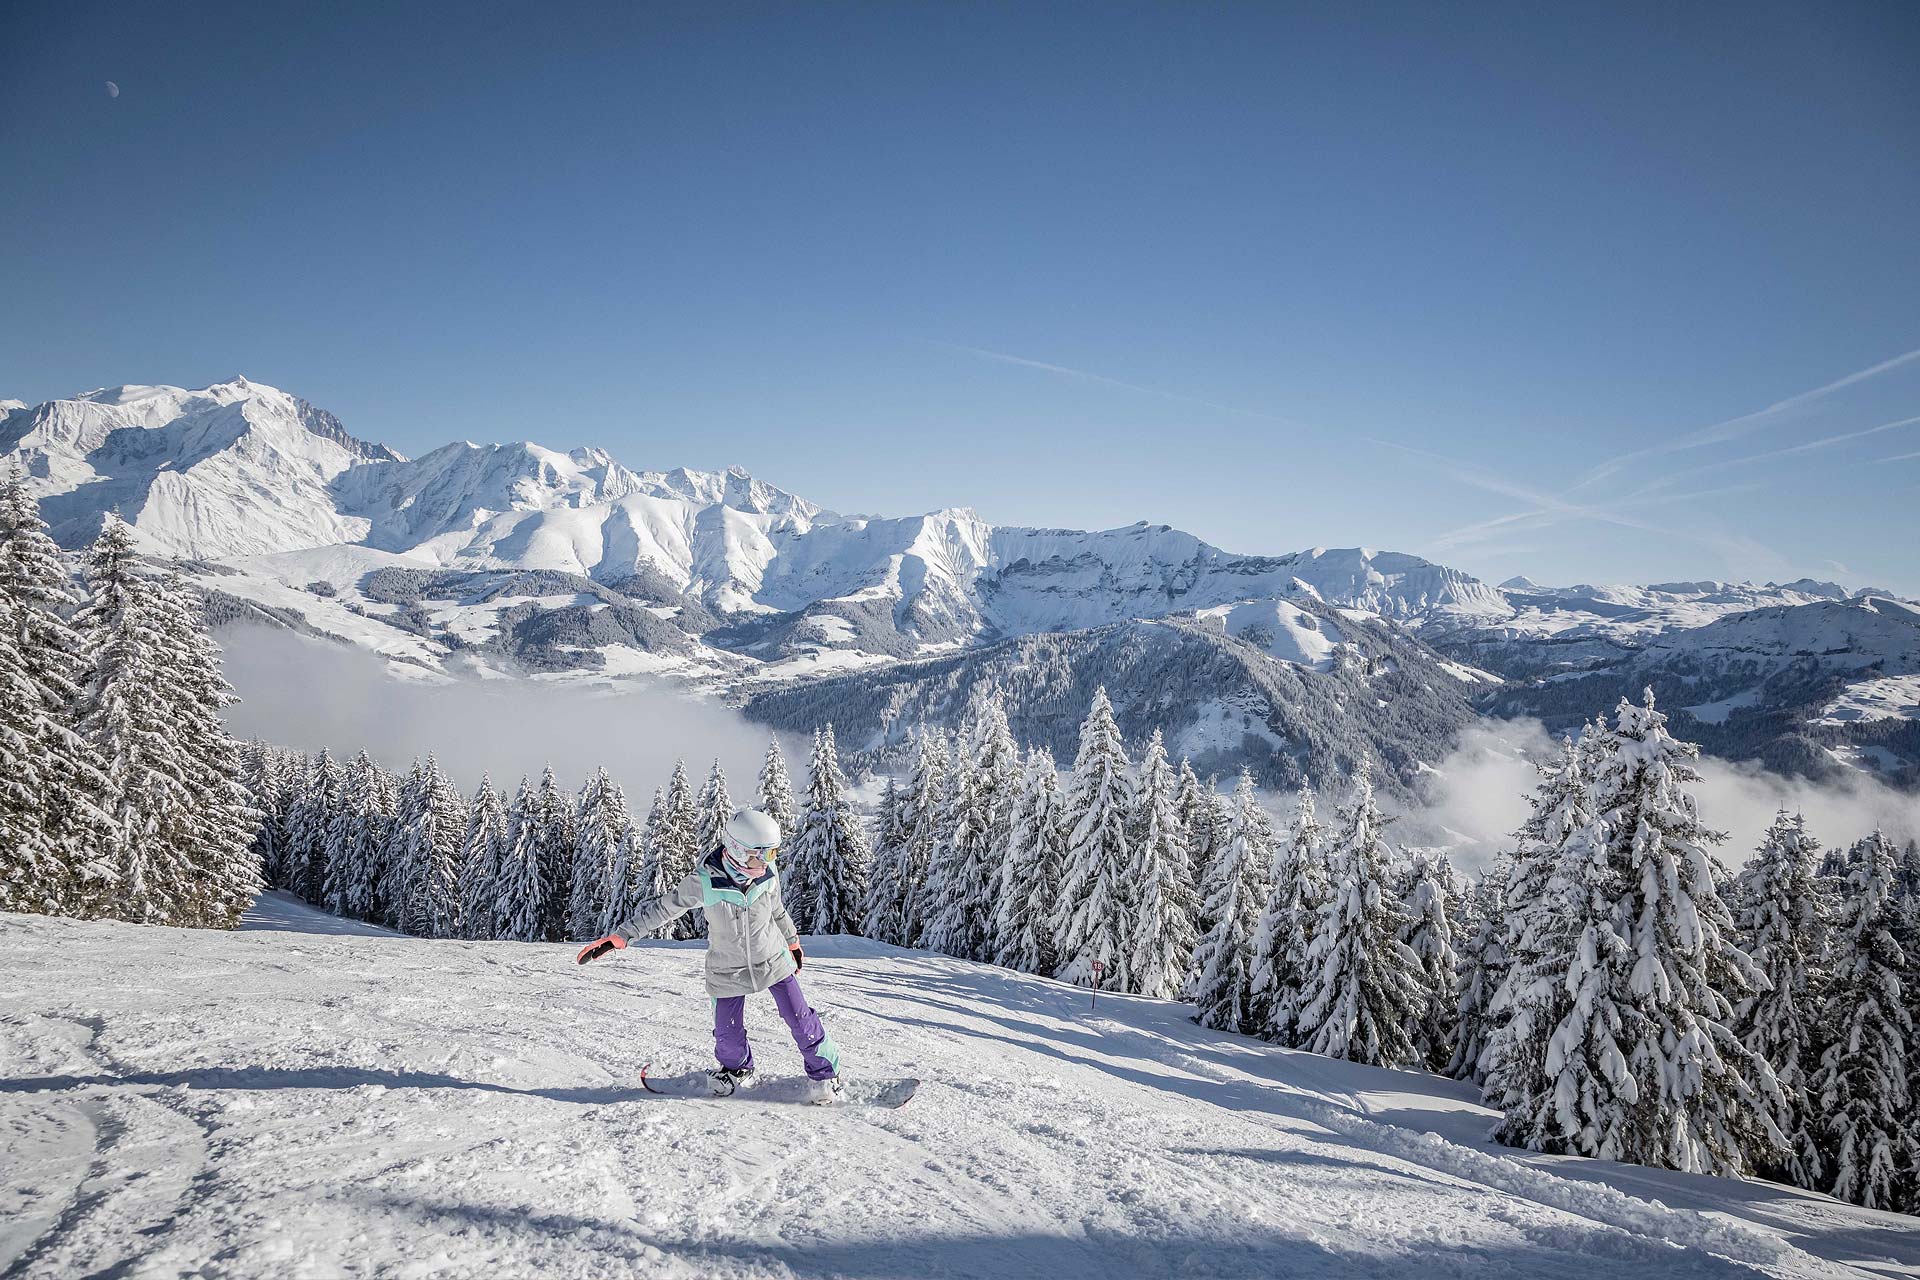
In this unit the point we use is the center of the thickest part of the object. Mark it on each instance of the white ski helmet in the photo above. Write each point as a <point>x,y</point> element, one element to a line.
<point>750,831</point>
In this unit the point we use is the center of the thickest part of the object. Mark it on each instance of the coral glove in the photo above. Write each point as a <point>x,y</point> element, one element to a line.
<point>794,949</point>
<point>599,947</point>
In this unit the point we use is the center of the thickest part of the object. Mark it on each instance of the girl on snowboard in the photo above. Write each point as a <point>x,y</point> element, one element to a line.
<point>751,946</point>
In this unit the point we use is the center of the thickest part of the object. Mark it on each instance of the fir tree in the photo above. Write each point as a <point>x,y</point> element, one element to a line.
<point>356,840</point>
<point>647,868</point>
<point>1090,914</point>
<point>776,792</point>
<point>403,879</point>
<point>1031,873</point>
<point>1548,907</point>
<point>519,910</point>
<point>320,795</point>
<point>891,883</point>
<point>1366,985</point>
<point>1781,929</point>
<point>1646,1064</point>
<point>1283,938</point>
<point>53,836</point>
<point>964,877</point>
<point>1158,880</point>
<point>600,832</point>
<point>1485,969</point>
<point>125,720</point>
<point>824,883</point>
<point>480,847</point>
<point>1224,992</point>
<point>442,828</point>
<point>1429,935</point>
<point>557,844</point>
<point>926,806</point>
<point>676,850</point>
<point>1864,1085</point>
<point>714,811</point>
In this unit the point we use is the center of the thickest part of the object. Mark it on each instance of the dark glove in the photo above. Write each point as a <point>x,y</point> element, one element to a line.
<point>599,947</point>
<point>793,949</point>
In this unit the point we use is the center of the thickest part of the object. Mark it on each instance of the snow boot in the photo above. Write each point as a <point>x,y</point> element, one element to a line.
<point>724,1081</point>
<point>826,1092</point>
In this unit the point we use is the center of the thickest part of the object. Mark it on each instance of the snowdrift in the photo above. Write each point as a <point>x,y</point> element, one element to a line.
<point>312,1096</point>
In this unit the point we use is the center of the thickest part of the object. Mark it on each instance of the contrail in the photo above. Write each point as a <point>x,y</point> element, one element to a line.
<point>1102,379</point>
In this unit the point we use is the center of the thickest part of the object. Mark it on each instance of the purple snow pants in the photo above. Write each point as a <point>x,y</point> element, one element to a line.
<point>730,1031</point>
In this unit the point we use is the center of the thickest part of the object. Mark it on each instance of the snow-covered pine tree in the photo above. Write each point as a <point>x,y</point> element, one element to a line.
<point>1483,971</point>
<point>1780,916</point>
<point>124,718</point>
<point>225,871</point>
<point>647,870</point>
<point>441,833</point>
<point>55,841</point>
<point>519,910</point>
<point>776,792</point>
<point>926,806</point>
<point>600,833</point>
<point>890,882</point>
<point>403,872</point>
<point>1090,914</point>
<point>676,849</point>
<point>714,810</point>
<point>1429,934</point>
<point>480,847</point>
<point>1030,876</point>
<point>1863,1089</point>
<point>557,844</point>
<point>963,880</point>
<point>1283,938</point>
<point>1366,985</point>
<point>1549,904</point>
<point>1201,819</point>
<point>356,838</point>
<point>996,767</point>
<point>1158,879</point>
<point>824,879</point>
<point>1224,992</point>
<point>1664,1081</point>
<point>324,785</point>
<point>630,866</point>
<point>264,775</point>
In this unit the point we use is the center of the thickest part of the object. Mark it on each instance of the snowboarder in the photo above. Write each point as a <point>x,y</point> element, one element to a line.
<point>751,946</point>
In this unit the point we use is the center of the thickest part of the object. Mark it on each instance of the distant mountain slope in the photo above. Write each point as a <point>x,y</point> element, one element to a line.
<point>514,558</point>
<point>1811,688</point>
<point>1224,700</point>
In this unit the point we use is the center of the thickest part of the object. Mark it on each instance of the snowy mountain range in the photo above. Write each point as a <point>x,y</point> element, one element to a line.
<point>515,558</point>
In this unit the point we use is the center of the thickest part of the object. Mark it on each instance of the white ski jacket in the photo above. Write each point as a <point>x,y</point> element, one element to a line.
<point>748,929</point>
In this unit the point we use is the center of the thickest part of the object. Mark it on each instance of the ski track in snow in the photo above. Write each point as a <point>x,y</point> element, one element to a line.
<point>312,1097</point>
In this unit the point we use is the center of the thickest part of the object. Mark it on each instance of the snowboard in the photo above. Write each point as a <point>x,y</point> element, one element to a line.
<point>786,1090</point>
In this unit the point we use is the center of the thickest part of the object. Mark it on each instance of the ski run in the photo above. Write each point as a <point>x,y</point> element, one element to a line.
<point>312,1096</point>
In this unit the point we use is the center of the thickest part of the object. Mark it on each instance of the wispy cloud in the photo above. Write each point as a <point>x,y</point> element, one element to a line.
<point>1899,457</point>
<point>1545,509</point>
<point>1746,423</point>
<point>1809,446</point>
<point>1102,379</point>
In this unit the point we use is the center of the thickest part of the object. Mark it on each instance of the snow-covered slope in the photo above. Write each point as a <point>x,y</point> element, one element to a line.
<point>239,469</point>
<point>314,1098</point>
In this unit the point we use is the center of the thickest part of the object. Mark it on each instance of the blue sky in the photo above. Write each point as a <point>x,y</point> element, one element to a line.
<point>1527,289</point>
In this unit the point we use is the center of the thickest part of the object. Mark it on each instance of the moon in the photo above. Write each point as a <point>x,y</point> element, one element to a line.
<point>113,90</point>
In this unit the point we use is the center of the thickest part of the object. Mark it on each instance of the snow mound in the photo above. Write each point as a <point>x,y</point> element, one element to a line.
<point>1285,631</point>
<point>310,1097</point>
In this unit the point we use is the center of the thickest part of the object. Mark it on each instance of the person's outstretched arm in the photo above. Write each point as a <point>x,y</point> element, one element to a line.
<point>653,913</point>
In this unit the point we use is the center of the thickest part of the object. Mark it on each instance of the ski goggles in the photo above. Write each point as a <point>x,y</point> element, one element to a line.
<point>744,864</point>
